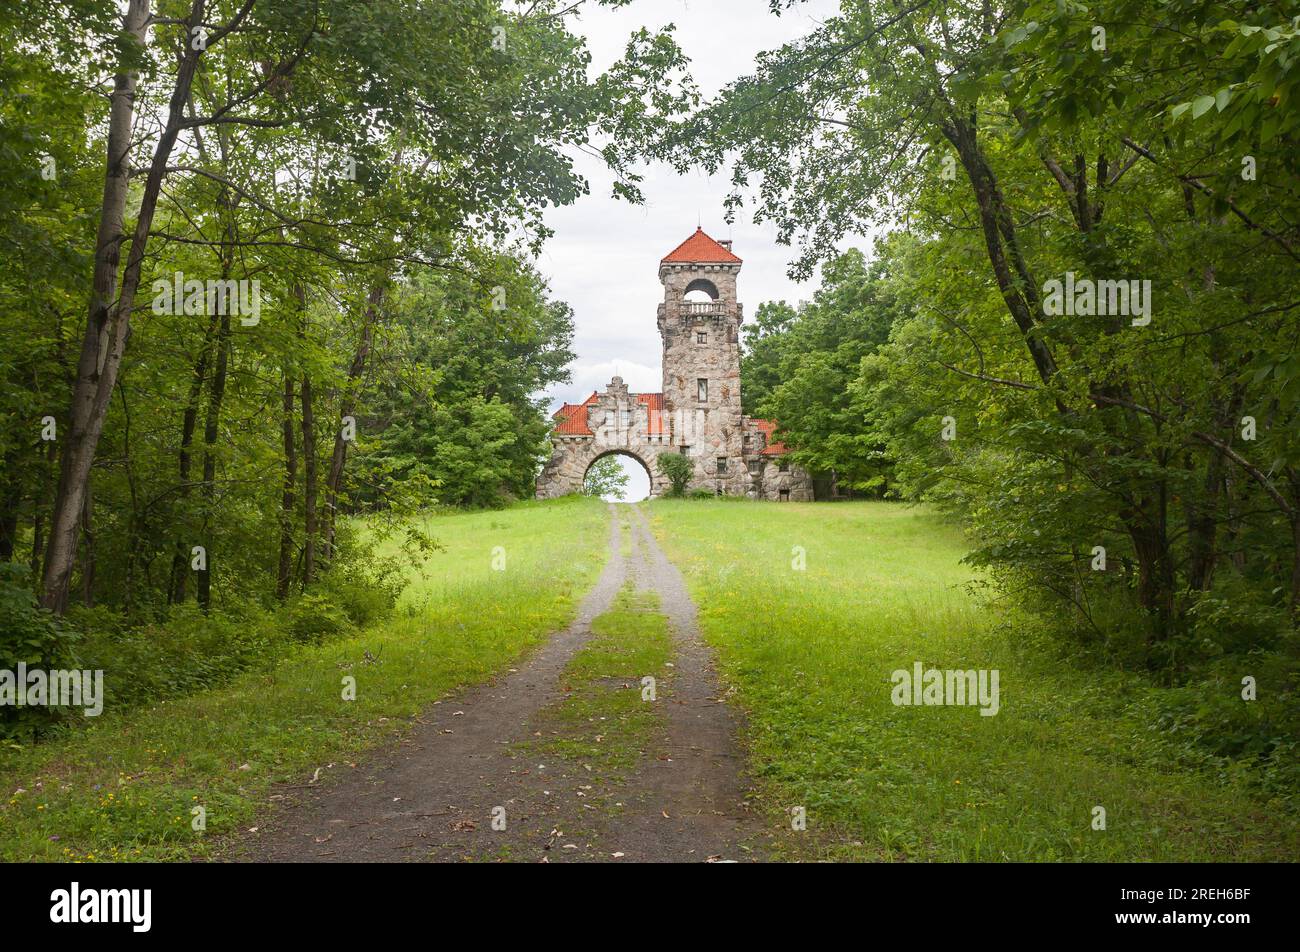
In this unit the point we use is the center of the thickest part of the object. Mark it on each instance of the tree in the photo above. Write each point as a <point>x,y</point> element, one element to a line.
<point>454,404</point>
<point>229,140</point>
<point>678,470</point>
<point>606,479</point>
<point>1024,149</point>
<point>811,357</point>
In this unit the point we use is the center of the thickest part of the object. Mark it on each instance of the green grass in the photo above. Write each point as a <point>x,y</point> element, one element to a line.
<point>603,723</point>
<point>811,653</point>
<point>123,787</point>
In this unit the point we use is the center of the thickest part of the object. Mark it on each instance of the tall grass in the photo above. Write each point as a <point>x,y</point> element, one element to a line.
<point>811,652</point>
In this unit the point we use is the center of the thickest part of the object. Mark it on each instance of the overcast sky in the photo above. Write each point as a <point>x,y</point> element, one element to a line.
<point>605,255</point>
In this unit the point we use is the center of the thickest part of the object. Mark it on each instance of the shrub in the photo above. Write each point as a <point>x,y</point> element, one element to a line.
<point>314,617</point>
<point>678,470</point>
<point>363,584</point>
<point>183,652</point>
<point>33,636</point>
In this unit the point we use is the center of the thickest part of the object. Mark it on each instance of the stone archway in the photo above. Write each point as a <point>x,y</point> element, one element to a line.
<point>630,454</point>
<point>567,470</point>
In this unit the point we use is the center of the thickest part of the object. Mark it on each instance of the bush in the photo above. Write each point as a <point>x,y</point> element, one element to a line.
<point>314,617</point>
<point>678,470</point>
<point>1208,717</point>
<point>183,652</point>
<point>363,584</point>
<point>32,636</point>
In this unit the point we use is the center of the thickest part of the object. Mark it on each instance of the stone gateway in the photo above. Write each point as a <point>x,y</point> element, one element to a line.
<point>697,413</point>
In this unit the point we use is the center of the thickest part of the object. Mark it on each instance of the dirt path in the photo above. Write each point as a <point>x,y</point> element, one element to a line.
<point>433,796</point>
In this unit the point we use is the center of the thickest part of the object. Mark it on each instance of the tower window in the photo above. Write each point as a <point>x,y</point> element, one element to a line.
<point>702,389</point>
<point>701,337</point>
<point>722,464</point>
<point>731,333</point>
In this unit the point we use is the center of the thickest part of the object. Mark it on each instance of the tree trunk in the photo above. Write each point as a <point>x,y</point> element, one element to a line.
<point>1156,584</point>
<point>38,513</point>
<point>284,578</point>
<point>334,479</point>
<point>309,483</point>
<point>108,323</point>
<point>88,547</point>
<point>1203,527</point>
<point>12,500</point>
<point>1295,568</point>
<point>189,422</point>
<point>211,430</point>
<point>1294,478</point>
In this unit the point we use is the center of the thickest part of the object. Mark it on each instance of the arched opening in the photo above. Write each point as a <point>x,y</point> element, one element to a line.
<point>701,290</point>
<point>617,476</point>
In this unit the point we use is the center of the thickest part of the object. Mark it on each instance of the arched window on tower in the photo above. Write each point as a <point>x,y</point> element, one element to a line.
<point>700,291</point>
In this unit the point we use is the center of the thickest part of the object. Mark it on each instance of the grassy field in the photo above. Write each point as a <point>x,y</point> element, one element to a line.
<point>811,651</point>
<point>124,787</point>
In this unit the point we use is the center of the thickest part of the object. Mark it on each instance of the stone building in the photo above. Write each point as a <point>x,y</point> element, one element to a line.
<point>698,411</point>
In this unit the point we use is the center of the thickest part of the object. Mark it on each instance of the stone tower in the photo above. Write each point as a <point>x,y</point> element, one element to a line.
<point>697,413</point>
<point>701,360</point>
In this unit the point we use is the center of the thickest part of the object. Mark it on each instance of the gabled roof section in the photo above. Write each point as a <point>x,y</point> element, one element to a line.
<point>700,249</point>
<point>572,418</point>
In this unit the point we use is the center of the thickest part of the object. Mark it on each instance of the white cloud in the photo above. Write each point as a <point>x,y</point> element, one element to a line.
<point>640,378</point>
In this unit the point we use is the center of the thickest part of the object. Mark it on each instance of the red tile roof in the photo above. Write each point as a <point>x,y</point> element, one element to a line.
<point>572,418</point>
<point>768,427</point>
<point>701,249</point>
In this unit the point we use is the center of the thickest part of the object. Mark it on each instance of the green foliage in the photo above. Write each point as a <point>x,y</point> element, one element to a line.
<point>1005,153</point>
<point>391,232</point>
<point>313,617</point>
<point>606,478</point>
<point>32,636</point>
<point>183,652</point>
<point>678,470</point>
<point>367,583</point>
<point>801,366</point>
<point>458,413</point>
